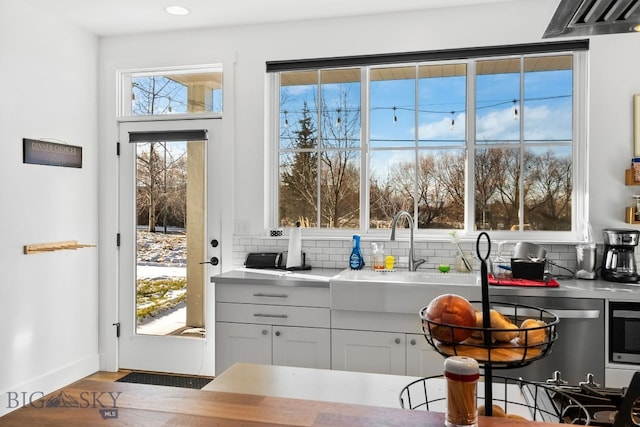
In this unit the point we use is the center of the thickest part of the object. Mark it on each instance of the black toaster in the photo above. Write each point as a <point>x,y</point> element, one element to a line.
<point>263,260</point>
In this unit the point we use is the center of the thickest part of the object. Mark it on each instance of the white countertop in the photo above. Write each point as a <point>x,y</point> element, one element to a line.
<point>312,384</point>
<point>360,388</point>
<point>572,288</point>
<point>305,278</point>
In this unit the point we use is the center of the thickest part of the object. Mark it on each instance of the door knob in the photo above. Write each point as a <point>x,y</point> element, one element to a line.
<point>214,243</point>
<point>277,333</point>
<point>213,261</point>
<point>397,340</point>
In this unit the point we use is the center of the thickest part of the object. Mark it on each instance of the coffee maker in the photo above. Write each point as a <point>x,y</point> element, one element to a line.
<point>619,260</point>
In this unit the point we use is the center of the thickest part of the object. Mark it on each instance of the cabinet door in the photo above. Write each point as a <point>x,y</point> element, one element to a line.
<point>422,360</point>
<point>302,347</point>
<point>365,351</point>
<point>240,342</point>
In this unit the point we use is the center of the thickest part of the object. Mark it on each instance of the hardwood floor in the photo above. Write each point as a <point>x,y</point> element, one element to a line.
<point>108,376</point>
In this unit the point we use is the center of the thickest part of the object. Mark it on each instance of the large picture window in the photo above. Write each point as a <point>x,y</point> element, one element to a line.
<point>482,143</point>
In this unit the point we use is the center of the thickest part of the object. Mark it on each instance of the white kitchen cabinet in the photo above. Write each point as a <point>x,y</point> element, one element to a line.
<point>301,347</point>
<point>422,359</point>
<point>393,353</point>
<point>242,342</point>
<point>383,343</point>
<point>269,344</point>
<point>366,351</point>
<point>278,325</point>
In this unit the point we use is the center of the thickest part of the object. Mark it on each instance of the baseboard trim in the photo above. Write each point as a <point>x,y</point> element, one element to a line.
<point>18,395</point>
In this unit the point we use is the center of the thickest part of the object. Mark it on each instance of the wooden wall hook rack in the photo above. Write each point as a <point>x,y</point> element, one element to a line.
<point>54,246</point>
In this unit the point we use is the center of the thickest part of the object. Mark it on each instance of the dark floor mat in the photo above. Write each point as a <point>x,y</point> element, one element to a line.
<point>166,380</point>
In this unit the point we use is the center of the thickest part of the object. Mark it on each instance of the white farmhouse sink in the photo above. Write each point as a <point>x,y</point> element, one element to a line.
<point>424,277</point>
<point>398,291</point>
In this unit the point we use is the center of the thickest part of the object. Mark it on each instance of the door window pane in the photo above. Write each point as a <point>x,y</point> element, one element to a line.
<point>168,204</point>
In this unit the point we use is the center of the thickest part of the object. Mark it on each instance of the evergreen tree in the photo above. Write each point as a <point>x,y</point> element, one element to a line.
<point>299,174</point>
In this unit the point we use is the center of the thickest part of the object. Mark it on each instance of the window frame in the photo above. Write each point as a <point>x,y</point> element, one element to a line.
<point>124,82</point>
<point>579,144</point>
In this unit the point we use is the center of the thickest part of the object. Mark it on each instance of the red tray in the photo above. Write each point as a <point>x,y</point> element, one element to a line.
<point>552,283</point>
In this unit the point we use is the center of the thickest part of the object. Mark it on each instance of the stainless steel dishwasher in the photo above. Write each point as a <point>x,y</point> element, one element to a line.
<point>579,349</point>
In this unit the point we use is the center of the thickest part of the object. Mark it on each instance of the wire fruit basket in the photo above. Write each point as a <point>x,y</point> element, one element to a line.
<point>521,346</point>
<point>520,350</point>
<point>512,398</point>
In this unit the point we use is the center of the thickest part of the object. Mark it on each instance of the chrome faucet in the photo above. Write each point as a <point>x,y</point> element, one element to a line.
<point>413,263</point>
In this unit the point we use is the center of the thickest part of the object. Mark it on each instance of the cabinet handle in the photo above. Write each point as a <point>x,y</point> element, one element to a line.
<point>277,333</point>
<point>264,332</point>
<point>260,294</point>
<point>413,342</point>
<point>397,340</point>
<point>278,316</point>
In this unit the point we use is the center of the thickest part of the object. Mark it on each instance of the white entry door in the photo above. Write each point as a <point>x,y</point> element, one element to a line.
<point>169,244</point>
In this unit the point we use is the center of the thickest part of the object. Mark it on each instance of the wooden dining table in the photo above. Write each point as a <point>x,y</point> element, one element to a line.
<point>91,402</point>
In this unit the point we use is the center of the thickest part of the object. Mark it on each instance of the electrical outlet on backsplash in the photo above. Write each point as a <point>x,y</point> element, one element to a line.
<point>334,253</point>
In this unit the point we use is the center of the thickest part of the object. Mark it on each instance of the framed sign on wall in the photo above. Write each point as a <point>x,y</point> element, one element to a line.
<point>50,153</point>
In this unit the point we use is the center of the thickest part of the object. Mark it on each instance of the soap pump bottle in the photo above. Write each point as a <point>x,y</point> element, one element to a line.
<point>356,260</point>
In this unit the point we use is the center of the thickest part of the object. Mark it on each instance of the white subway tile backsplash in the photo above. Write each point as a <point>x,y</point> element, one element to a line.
<point>334,252</point>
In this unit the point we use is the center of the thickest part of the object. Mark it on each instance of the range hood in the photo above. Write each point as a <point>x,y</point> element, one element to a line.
<point>594,17</point>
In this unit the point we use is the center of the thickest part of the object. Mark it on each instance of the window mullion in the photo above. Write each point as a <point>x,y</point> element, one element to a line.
<point>365,149</point>
<point>319,150</point>
<point>470,139</point>
<point>521,114</point>
<point>416,143</point>
<point>580,141</point>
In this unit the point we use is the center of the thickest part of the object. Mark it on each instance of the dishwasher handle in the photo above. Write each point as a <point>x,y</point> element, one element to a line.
<point>576,314</point>
<point>561,313</point>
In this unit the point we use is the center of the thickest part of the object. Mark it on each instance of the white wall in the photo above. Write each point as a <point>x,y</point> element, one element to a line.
<point>48,302</point>
<point>614,80</point>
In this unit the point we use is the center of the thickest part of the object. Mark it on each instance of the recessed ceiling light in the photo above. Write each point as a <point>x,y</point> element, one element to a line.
<point>177,10</point>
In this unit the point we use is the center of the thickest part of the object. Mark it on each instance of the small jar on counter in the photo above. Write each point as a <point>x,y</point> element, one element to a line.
<point>377,256</point>
<point>462,375</point>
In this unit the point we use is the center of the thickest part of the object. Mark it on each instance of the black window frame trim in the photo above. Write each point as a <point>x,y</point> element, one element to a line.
<point>171,135</point>
<point>430,55</point>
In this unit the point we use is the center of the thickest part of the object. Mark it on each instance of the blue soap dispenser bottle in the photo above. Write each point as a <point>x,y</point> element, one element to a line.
<point>356,260</point>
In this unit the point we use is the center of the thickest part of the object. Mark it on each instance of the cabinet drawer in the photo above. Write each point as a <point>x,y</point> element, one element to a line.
<point>276,295</point>
<point>273,315</point>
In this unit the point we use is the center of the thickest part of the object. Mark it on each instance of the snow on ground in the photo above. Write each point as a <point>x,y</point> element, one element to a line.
<point>161,255</point>
<point>162,249</point>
